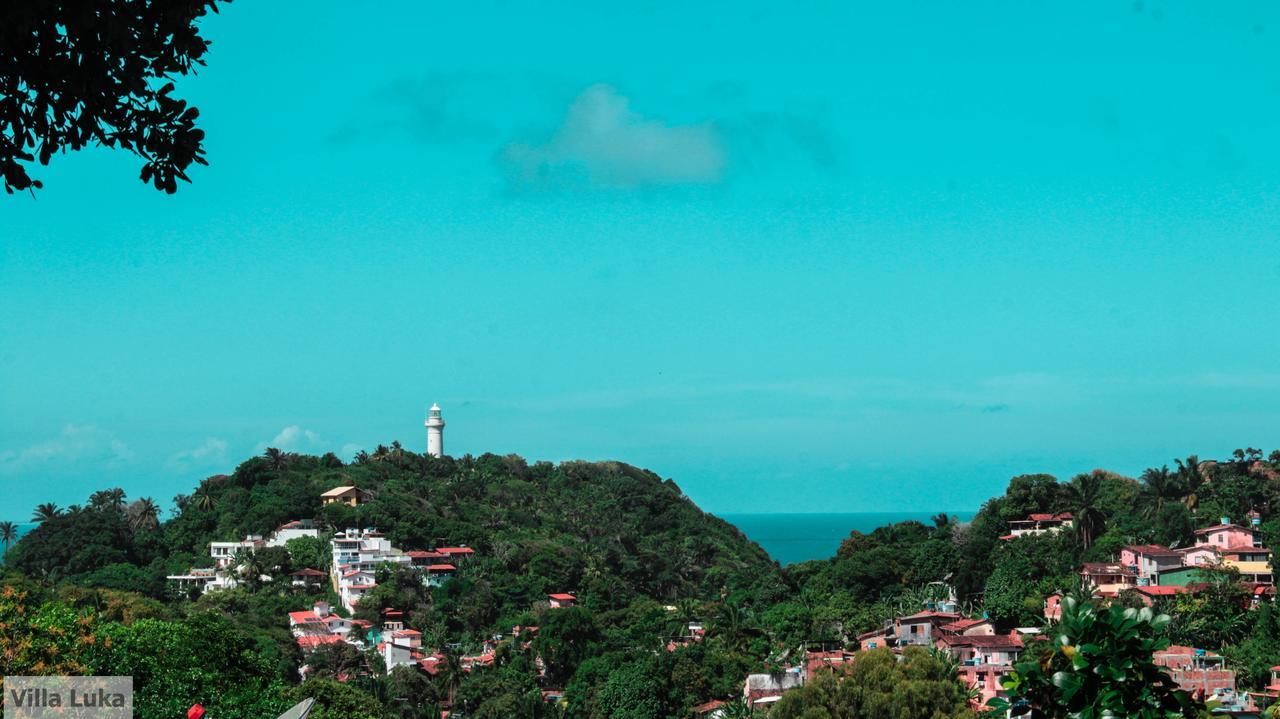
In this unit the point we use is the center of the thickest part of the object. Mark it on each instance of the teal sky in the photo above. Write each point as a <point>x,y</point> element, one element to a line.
<point>813,256</point>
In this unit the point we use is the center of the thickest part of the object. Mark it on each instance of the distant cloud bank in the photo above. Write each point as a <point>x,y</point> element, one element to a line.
<point>295,439</point>
<point>604,143</point>
<point>75,444</point>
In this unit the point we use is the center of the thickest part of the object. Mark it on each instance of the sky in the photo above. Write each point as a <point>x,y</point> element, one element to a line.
<point>798,257</point>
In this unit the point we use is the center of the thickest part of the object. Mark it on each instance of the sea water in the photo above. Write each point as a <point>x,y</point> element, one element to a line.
<point>791,538</point>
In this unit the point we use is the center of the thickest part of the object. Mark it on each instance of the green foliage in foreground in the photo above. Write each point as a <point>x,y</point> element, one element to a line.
<point>1098,665</point>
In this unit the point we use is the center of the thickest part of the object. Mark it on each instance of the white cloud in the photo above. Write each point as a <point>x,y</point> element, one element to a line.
<point>604,143</point>
<point>74,445</point>
<point>210,452</point>
<point>349,450</point>
<point>295,439</point>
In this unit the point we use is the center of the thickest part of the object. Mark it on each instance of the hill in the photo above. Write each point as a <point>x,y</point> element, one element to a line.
<point>643,560</point>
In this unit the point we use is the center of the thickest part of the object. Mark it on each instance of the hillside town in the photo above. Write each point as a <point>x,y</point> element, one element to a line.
<point>984,656</point>
<point>981,653</point>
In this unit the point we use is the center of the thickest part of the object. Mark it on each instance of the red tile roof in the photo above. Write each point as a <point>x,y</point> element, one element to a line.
<point>313,642</point>
<point>708,707</point>
<point>1161,590</point>
<point>982,641</point>
<point>441,568</point>
<point>1154,550</point>
<point>963,624</point>
<point>563,597</point>
<point>304,617</point>
<point>455,550</point>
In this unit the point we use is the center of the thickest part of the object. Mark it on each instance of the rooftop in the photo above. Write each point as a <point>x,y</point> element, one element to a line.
<point>1154,550</point>
<point>338,491</point>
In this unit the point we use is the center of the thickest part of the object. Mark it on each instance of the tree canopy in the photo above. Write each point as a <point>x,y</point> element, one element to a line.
<point>99,72</point>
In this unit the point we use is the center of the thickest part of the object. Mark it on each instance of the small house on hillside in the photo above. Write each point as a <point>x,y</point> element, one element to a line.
<point>970,627</point>
<point>1182,576</point>
<point>1149,594</point>
<point>1148,560</point>
<point>1198,671</point>
<point>350,496</point>
<point>920,629</point>
<point>308,577</point>
<point>1109,579</point>
<point>1226,535</point>
<point>1040,524</point>
<point>561,601</point>
<point>837,660</point>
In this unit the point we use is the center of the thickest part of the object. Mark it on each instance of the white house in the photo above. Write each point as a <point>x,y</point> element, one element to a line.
<point>293,530</point>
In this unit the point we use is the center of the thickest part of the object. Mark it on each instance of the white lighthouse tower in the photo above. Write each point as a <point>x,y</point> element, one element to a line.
<point>435,432</point>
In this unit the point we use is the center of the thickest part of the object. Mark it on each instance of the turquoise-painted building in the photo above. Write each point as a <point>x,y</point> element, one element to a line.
<point>1181,576</point>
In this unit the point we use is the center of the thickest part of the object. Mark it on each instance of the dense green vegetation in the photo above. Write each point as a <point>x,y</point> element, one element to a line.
<point>879,686</point>
<point>643,560</point>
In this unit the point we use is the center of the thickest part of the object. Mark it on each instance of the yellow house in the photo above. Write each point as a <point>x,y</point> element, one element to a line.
<point>350,496</point>
<point>1259,572</point>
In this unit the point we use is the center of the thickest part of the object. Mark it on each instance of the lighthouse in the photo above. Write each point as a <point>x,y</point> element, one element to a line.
<point>435,432</point>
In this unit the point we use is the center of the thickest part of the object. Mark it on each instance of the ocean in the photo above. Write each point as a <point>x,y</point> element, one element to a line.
<point>791,538</point>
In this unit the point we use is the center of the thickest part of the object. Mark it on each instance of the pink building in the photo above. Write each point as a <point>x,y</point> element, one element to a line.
<point>1200,555</point>
<point>1226,536</point>
<point>873,639</point>
<point>1053,607</point>
<point>1198,671</point>
<point>1148,560</point>
<point>984,659</point>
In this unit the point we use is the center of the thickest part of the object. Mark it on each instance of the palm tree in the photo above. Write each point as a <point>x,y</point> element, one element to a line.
<point>48,510</point>
<point>941,520</point>
<point>8,534</point>
<point>449,677</point>
<point>144,514</point>
<point>276,459</point>
<point>1191,476</point>
<point>1084,495</point>
<point>203,500</point>
<point>249,565</point>
<point>107,499</point>
<point>1159,485</point>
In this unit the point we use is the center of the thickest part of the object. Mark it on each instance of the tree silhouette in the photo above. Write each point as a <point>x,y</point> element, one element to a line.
<point>277,459</point>
<point>1158,486</point>
<point>97,72</point>
<point>203,500</point>
<point>1084,494</point>
<point>144,514</point>
<point>8,534</point>
<point>108,499</point>
<point>48,510</point>
<point>1191,476</point>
